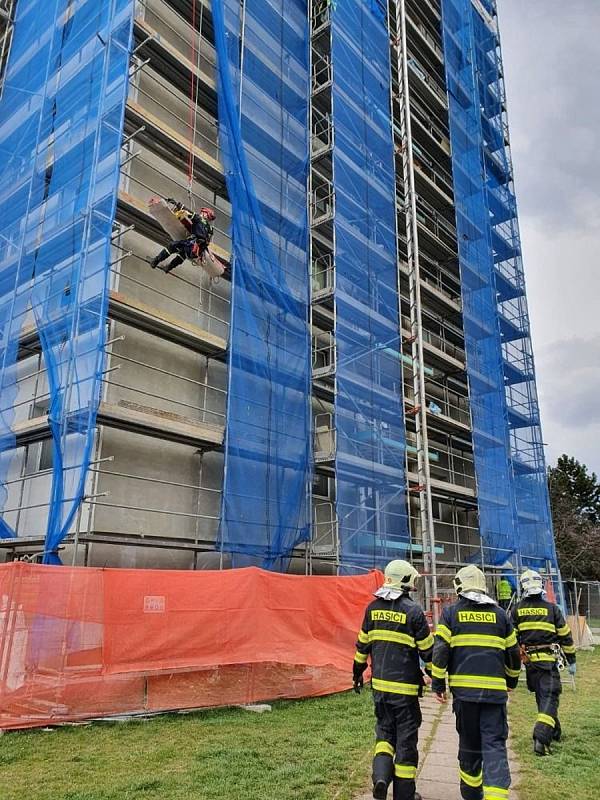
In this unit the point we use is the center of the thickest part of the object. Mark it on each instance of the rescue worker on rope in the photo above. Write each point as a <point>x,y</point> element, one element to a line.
<point>504,592</point>
<point>396,637</point>
<point>476,646</point>
<point>195,245</point>
<point>542,632</point>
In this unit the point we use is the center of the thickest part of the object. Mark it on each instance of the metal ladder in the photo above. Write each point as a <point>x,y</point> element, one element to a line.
<point>401,111</point>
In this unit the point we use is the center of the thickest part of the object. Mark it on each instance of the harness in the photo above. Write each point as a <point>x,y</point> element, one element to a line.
<point>528,654</point>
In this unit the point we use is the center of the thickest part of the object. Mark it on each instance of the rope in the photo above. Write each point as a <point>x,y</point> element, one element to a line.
<point>194,88</point>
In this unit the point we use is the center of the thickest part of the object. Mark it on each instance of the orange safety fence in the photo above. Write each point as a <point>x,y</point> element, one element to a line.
<point>79,643</point>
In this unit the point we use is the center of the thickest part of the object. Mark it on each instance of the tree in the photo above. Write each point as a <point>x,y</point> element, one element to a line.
<point>573,478</point>
<point>575,505</point>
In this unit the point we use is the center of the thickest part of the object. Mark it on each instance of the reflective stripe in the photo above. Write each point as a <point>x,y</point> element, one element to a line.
<point>536,626</point>
<point>405,771</point>
<point>477,682</point>
<point>429,665</point>
<point>512,673</point>
<point>569,648</point>
<point>394,687</point>
<point>425,644</point>
<point>511,640</point>
<point>477,640</point>
<point>361,658</point>
<point>564,631</point>
<point>382,635</point>
<point>444,633</point>
<point>541,657</point>
<point>384,748</point>
<point>471,780</point>
<point>438,672</point>
<point>363,637</point>
<point>546,719</point>
<point>494,793</point>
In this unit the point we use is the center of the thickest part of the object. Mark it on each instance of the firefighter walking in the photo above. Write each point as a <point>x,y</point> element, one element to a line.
<point>542,633</point>
<point>396,637</point>
<point>476,647</point>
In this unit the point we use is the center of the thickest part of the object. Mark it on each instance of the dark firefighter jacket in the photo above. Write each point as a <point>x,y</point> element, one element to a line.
<point>395,634</point>
<point>538,623</point>
<point>199,228</point>
<point>477,647</point>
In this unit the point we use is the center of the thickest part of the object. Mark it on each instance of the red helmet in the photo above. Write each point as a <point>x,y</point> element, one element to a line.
<point>208,213</point>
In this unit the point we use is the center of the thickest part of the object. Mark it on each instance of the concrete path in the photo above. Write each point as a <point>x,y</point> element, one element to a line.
<point>438,747</point>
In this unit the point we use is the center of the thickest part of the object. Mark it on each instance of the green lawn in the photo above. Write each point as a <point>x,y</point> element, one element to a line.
<point>306,750</point>
<point>573,771</point>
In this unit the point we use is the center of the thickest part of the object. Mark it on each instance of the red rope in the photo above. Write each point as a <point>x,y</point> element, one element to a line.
<point>192,97</point>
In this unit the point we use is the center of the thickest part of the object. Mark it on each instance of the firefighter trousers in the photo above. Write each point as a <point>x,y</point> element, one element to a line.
<point>546,685</point>
<point>483,760</point>
<point>396,753</point>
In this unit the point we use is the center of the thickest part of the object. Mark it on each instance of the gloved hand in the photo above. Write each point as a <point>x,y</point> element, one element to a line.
<point>357,676</point>
<point>573,669</point>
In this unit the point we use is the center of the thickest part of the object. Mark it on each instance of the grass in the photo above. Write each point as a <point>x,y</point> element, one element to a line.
<point>573,771</point>
<point>305,750</point>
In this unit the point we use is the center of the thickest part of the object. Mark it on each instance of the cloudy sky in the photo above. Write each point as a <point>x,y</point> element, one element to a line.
<point>552,65</point>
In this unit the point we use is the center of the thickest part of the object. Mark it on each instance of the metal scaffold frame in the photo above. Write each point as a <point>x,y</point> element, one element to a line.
<point>423,489</point>
<point>437,448</point>
<point>323,545</point>
<point>7,9</point>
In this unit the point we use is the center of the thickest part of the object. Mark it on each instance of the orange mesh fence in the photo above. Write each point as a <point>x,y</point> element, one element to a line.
<point>79,643</point>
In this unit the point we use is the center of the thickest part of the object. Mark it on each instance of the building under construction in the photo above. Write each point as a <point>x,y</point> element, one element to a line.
<point>359,384</point>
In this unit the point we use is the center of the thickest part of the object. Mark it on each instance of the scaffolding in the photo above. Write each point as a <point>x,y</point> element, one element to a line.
<point>361,189</point>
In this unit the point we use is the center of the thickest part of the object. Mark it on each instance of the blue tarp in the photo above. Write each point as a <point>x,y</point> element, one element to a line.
<point>509,459</point>
<point>61,121</point>
<point>369,415</point>
<point>263,81</point>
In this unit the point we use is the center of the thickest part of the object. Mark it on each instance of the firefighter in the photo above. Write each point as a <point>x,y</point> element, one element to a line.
<point>396,636</point>
<point>542,632</point>
<point>201,232</point>
<point>504,592</point>
<point>476,646</point>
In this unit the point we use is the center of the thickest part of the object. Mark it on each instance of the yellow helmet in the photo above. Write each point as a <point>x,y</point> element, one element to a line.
<point>470,579</point>
<point>400,575</point>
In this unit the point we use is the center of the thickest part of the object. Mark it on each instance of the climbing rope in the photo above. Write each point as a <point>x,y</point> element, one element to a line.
<point>194,88</point>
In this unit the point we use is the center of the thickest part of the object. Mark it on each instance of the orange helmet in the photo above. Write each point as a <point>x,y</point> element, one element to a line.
<point>208,213</point>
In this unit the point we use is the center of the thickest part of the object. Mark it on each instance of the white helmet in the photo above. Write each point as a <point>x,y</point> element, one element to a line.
<point>470,579</point>
<point>400,575</point>
<point>531,583</point>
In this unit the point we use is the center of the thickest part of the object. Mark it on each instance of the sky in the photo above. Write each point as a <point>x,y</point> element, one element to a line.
<point>551,51</point>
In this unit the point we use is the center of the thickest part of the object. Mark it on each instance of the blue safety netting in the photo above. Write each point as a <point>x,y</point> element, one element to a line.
<point>369,418</point>
<point>536,542</point>
<point>508,450</point>
<point>61,119</point>
<point>263,65</point>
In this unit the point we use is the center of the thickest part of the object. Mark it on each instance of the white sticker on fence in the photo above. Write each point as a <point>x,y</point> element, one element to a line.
<point>154,604</point>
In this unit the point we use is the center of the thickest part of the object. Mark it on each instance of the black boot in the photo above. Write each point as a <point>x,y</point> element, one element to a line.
<point>175,262</point>
<point>539,748</point>
<point>380,790</point>
<point>160,257</point>
<point>383,775</point>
